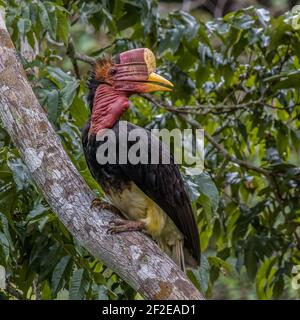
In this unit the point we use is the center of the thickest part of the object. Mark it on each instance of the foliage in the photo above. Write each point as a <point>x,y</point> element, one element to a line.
<point>238,77</point>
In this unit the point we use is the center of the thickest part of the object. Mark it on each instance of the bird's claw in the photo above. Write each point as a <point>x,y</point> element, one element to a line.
<point>102,205</point>
<point>96,203</point>
<point>121,225</point>
<point>117,222</point>
<point>114,224</point>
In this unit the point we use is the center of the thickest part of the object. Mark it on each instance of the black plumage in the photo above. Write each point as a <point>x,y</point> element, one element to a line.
<point>162,183</point>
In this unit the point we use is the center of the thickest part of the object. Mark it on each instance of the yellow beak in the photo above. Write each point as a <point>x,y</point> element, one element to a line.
<point>156,82</point>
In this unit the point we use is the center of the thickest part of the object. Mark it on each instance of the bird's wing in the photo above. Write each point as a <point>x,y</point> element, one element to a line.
<point>163,183</point>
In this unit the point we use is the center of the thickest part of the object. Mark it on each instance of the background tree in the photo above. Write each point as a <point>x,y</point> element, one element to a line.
<point>236,77</point>
<point>218,8</point>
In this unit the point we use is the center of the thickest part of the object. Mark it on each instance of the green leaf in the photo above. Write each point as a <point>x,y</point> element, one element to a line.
<point>77,285</point>
<point>21,174</point>
<point>58,274</point>
<point>24,26</point>
<point>4,226</point>
<point>220,264</point>
<point>45,18</point>
<point>200,276</point>
<point>59,77</point>
<point>79,111</point>
<point>278,286</point>
<point>102,292</point>
<point>263,16</point>
<point>4,249</point>
<point>264,278</point>
<point>37,211</point>
<point>63,27</point>
<point>251,260</point>
<point>53,103</point>
<point>171,41</point>
<point>69,92</point>
<point>207,187</point>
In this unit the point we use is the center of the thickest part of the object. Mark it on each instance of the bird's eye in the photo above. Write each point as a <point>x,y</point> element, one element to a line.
<point>112,71</point>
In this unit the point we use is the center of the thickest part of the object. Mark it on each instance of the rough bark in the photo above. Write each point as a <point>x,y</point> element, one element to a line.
<point>133,256</point>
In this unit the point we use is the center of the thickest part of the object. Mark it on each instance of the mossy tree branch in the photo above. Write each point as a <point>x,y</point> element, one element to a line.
<point>135,257</point>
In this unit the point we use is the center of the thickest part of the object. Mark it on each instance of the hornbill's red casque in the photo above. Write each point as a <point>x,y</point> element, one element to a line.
<point>151,196</point>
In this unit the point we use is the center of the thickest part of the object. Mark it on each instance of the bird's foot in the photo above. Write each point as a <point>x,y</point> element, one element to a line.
<point>120,225</point>
<point>102,205</point>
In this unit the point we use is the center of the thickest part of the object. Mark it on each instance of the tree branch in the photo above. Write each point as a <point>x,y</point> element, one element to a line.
<point>84,58</point>
<point>135,257</point>
<point>221,149</point>
<point>72,55</point>
<point>214,143</point>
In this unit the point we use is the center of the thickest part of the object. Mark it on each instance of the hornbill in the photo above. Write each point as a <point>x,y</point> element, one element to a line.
<point>151,197</point>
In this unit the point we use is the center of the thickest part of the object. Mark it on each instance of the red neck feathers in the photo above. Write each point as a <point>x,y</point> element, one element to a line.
<point>108,106</point>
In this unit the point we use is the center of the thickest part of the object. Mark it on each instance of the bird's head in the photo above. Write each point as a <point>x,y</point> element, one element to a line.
<point>132,72</point>
<point>114,79</point>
